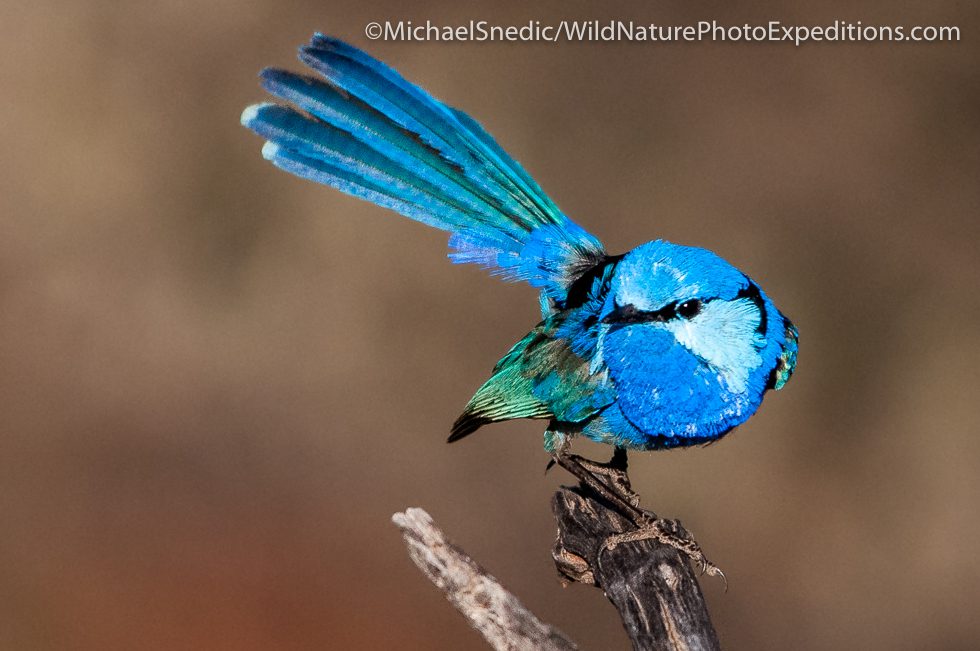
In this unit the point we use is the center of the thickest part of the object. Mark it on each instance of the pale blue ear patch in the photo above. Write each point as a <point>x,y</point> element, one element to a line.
<point>725,336</point>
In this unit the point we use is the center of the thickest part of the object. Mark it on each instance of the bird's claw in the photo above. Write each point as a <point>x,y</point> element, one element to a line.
<point>671,534</point>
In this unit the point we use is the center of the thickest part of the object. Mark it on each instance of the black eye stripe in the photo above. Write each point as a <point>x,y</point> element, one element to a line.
<point>629,314</point>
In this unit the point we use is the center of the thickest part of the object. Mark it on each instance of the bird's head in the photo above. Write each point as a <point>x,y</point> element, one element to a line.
<point>711,311</point>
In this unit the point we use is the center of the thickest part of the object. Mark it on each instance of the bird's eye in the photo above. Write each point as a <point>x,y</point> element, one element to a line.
<point>689,309</point>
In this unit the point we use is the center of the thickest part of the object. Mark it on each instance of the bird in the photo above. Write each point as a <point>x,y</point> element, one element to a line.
<point>662,347</point>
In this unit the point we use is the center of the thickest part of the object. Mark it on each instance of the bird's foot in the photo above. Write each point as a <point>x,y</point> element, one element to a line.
<point>615,474</point>
<point>672,534</point>
<point>608,480</point>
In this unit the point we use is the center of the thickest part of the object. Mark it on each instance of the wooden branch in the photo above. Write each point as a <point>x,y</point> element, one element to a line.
<point>653,586</point>
<point>493,611</point>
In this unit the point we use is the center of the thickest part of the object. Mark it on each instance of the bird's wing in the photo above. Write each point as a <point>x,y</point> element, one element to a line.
<point>362,128</point>
<point>541,377</point>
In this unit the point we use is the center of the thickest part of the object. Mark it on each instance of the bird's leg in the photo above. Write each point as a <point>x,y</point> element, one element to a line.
<point>615,472</point>
<point>574,464</point>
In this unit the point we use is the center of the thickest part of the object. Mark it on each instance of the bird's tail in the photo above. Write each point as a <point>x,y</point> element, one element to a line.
<point>365,130</point>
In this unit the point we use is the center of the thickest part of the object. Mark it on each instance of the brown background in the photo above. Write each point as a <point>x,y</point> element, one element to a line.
<point>218,381</point>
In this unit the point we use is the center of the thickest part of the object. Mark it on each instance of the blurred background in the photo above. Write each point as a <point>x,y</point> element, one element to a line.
<point>219,382</point>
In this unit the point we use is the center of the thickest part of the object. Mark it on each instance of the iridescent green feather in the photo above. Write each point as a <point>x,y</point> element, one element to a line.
<point>540,377</point>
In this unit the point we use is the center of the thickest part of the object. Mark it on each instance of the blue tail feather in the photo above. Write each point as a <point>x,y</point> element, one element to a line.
<point>384,90</point>
<point>322,172</point>
<point>517,178</point>
<point>534,192</point>
<point>368,132</point>
<point>368,126</point>
<point>294,132</point>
